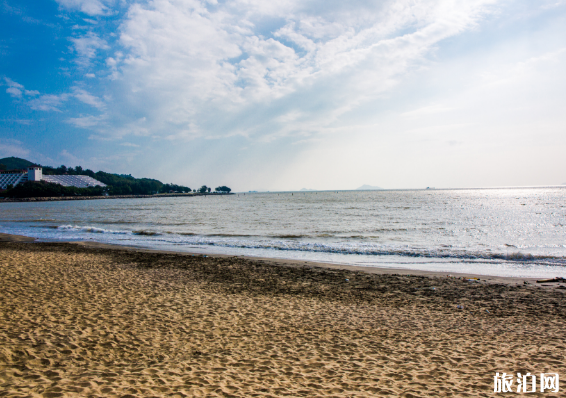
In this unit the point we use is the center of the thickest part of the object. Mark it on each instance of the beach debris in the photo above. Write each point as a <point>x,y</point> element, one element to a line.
<point>554,280</point>
<point>488,311</point>
<point>526,283</point>
<point>347,280</point>
<point>460,307</point>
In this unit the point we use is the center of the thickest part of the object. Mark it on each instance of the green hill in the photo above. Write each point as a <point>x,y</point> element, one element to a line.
<point>12,163</point>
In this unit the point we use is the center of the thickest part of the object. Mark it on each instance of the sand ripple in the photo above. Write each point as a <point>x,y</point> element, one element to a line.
<point>85,322</point>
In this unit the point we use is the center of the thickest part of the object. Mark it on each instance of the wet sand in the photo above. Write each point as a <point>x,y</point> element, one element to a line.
<point>87,320</point>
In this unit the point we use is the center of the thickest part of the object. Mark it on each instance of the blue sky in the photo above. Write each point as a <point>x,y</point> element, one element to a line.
<point>289,94</point>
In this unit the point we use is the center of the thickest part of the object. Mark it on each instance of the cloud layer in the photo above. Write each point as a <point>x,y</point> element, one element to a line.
<point>275,88</point>
<point>271,70</point>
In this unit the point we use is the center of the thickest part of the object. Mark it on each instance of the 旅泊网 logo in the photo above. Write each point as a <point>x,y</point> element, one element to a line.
<point>504,382</point>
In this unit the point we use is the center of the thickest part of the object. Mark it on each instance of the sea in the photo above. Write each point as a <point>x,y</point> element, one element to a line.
<point>519,232</point>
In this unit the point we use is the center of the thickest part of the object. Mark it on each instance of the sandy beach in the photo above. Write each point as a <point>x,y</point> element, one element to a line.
<point>79,320</point>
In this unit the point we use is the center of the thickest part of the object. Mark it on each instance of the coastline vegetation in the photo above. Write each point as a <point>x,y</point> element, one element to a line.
<point>117,184</point>
<point>32,189</point>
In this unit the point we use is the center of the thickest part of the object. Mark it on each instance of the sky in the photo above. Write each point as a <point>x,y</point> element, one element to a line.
<point>263,95</point>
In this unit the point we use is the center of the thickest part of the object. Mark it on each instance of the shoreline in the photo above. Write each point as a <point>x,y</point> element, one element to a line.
<point>486,279</point>
<point>64,198</point>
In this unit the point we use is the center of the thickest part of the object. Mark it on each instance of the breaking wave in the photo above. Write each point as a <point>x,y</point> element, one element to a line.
<point>94,230</point>
<point>295,243</point>
<point>97,230</point>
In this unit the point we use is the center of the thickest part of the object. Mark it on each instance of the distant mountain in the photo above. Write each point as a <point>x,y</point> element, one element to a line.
<point>12,163</point>
<point>368,188</point>
<point>307,189</point>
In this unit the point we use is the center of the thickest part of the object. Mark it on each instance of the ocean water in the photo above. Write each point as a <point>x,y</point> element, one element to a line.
<point>506,232</point>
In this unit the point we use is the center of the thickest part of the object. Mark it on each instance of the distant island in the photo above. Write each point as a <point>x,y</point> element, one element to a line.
<point>20,178</point>
<point>369,188</point>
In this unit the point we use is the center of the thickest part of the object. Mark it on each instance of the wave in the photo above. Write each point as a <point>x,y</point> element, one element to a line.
<point>293,243</point>
<point>284,236</point>
<point>94,230</point>
<point>97,230</point>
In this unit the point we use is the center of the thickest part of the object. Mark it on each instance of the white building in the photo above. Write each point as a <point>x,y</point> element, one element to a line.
<point>12,177</point>
<point>35,173</point>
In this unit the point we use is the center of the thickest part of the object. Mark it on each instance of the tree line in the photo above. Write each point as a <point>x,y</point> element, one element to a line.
<point>117,184</point>
<point>36,189</point>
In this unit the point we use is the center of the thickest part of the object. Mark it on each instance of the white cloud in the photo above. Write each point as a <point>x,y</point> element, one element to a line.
<point>89,7</point>
<point>16,89</point>
<point>255,62</point>
<point>87,98</point>
<point>14,92</point>
<point>136,128</point>
<point>52,102</point>
<point>48,102</point>
<point>86,121</point>
<point>86,47</point>
<point>69,157</point>
<point>10,147</point>
<point>12,83</point>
